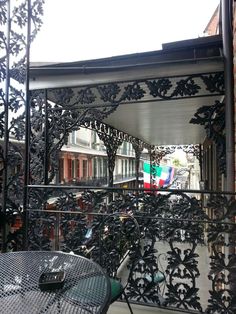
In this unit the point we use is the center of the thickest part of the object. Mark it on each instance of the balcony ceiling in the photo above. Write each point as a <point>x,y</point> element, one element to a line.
<point>154,120</point>
<point>161,123</point>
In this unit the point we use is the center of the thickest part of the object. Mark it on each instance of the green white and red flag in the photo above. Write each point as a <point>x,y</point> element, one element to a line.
<point>162,175</point>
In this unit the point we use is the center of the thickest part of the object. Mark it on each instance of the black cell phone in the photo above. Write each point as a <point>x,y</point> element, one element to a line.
<point>51,280</point>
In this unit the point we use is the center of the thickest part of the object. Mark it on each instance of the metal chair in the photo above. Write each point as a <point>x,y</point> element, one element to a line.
<point>158,278</point>
<point>119,236</point>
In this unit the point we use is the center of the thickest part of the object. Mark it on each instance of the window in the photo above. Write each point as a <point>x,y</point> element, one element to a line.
<point>85,168</point>
<point>69,169</point>
<point>61,170</point>
<point>95,167</point>
<point>100,167</point>
<point>104,167</point>
<point>73,168</point>
<point>78,168</point>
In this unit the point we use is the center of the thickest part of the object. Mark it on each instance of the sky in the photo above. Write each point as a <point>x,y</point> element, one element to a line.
<point>75,30</point>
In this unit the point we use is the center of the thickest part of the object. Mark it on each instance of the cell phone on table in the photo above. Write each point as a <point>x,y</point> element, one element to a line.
<point>51,280</point>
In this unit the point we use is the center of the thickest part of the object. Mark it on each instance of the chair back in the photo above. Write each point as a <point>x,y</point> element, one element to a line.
<point>119,238</point>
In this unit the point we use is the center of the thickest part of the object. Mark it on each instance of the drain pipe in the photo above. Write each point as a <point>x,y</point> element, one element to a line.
<point>227,32</point>
<point>227,35</point>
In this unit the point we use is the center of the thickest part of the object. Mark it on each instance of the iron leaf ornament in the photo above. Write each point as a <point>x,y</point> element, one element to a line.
<point>213,120</point>
<point>15,17</point>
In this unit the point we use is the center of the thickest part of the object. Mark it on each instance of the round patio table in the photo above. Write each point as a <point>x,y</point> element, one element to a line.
<point>86,289</point>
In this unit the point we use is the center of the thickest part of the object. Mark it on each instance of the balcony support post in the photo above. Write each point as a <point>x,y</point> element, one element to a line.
<point>111,143</point>
<point>138,148</point>
<point>4,152</point>
<point>151,158</point>
<point>227,8</point>
<point>227,36</point>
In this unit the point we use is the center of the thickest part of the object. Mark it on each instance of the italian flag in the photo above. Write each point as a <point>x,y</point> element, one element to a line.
<point>162,175</point>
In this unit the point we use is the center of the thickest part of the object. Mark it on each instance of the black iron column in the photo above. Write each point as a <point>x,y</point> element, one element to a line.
<point>6,131</point>
<point>138,148</point>
<point>15,17</point>
<point>228,7</point>
<point>46,141</point>
<point>227,32</point>
<point>154,161</point>
<point>111,143</point>
<point>196,151</point>
<point>200,160</point>
<point>27,133</point>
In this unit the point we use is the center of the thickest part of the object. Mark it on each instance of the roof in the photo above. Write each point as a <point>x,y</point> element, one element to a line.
<point>203,47</point>
<point>159,117</point>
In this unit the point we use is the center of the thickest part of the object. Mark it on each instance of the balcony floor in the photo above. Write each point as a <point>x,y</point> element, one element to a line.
<point>121,307</point>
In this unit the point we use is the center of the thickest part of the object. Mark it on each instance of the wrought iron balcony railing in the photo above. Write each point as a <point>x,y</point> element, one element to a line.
<point>89,181</point>
<point>102,181</point>
<point>187,240</point>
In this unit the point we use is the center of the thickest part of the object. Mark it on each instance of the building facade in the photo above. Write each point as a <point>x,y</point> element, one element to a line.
<point>83,161</point>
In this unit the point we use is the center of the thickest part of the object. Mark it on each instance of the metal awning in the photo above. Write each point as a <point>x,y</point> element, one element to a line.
<point>153,95</point>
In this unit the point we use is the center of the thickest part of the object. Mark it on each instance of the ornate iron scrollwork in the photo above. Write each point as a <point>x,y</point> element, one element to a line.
<point>214,83</point>
<point>138,147</point>
<point>186,87</point>
<point>213,120</point>
<point>222,241</point>
<point>173,225</point>
<point>109,93</point>
<point>111,143</point>
<point>158,152</point>
<point>182,264</point>
<point>171,88</point>
<point>133,92</point>
<point>159,88</point>
<point>86,96</point>
<point>110,96</point>
<point>191,149</point>
<point>14,42</point>
<point>52,119</point>
<point>101,127</point>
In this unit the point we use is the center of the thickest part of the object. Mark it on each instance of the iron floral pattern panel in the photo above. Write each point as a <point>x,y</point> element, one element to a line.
<point>103,128</point>
<point>173,225</point>
<point>14,42</point>
<point>40,233</point>
<point>213,120</point>
<point>51,126</point>
<point>112,144</point>
<point>222,239</point>
<point>55,221</point>
<point>166,88</point>
<point>182,271</point>
<point>159,225</point>
<point>109,96</point>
